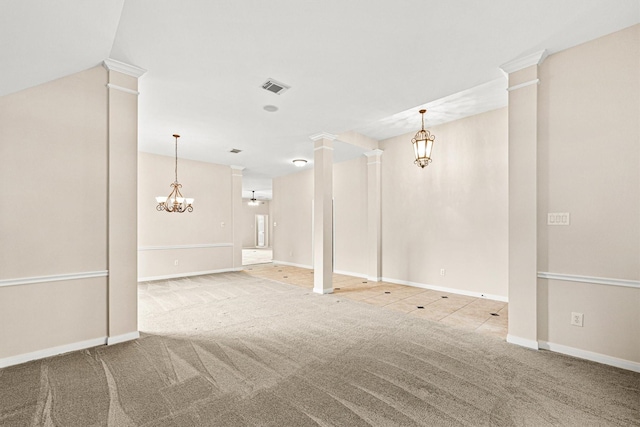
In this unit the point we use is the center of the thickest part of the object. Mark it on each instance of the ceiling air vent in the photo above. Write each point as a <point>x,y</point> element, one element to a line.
<point>235,151</point>
<point>275,87</point>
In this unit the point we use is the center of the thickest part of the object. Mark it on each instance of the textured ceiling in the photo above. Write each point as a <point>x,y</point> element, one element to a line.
<point>352,65</point>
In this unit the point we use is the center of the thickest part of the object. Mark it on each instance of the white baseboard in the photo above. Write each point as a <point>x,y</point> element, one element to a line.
<point>122,338</point>
<point>292,264</point>
<point>349,273</point>
<point>53,351</point>
<point>589,355</point>
<point>322,291</point>
<point>449,290</point>
<point>189,274</point>
<point>523,342</point>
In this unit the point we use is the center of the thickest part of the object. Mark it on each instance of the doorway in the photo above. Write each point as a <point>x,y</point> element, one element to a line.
<point>262,236</point>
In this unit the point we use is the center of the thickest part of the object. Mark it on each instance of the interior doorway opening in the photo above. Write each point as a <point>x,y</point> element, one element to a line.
<point>261,253</point>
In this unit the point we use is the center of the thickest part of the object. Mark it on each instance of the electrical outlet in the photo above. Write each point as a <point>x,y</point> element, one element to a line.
<point>577,319</point>
<point>175,262</point>
<point>222,224</point>
<point>442,271</point>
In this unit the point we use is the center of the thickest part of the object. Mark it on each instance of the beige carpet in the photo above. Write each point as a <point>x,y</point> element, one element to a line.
<point>233,350</point>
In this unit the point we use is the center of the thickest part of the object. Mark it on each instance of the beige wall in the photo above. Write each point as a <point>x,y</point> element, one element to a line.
<point>249,222</point>
<point>589,166</point>
<point>197,240</point>
<point>54,141</point>
<point>350,212</point>
<point>292,237</point>
<point>451,214</point>
<point>291,218</point>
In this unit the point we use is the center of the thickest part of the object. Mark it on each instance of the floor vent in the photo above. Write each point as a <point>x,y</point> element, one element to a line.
<point>275,87</point>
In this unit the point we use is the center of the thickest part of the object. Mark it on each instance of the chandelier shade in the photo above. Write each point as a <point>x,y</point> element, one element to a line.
<point>175,201</point>
<point>422,145</point>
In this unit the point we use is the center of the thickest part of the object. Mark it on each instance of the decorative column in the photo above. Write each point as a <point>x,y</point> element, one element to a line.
<point>323,213</point>
<point>236,214</point>
<point>523,153</point>
<point>374,223</point>
<point>122,224</point>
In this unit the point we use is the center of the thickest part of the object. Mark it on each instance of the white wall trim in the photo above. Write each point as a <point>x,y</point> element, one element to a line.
<point>449,290</point>
<point>293,264</point>
<point>522,342</point>
<point>525,84</point>
<point>375,152</point>
<point>518,64</point>
<point>590,279</point>
<point>52,351</point>
<point>323,147</point>
<point>188,274</point>
<point>121,67</point>
<point>237,168</point>
<point>123,89</point>
<point>123,338</point>
<point>349,273</point>
<point>323,135</point>
<point>195,246</point>
<point>53,278</point>
<point>589,355</point>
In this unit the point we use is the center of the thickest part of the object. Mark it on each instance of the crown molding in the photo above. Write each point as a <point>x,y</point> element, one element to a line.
<point>323,135</point>
<point>526,61</point>
<point>121,67</point>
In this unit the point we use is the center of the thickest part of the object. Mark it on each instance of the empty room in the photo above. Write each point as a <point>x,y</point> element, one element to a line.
<point>320,213</point>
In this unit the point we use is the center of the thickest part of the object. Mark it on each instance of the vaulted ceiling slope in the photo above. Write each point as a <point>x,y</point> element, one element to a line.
<point>352,65</point>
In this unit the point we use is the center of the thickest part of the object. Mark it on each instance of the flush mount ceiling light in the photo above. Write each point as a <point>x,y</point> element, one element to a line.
<point>175,202</point>
<point>253,201</point>
<point>422,145</point>
<point>299,162</point>
<point>270,108</point>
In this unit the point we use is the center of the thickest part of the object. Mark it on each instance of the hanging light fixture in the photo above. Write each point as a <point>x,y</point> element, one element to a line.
<point>253,201</point>
<point>175,202</point>
<point>422,145</point>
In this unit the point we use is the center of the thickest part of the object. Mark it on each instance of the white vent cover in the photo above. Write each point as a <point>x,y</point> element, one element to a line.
<point>275,87</point>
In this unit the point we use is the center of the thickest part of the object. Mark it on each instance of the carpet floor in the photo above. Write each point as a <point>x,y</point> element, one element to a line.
<point>235,350</point>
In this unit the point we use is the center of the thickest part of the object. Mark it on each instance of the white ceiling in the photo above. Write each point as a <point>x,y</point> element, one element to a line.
<point>356,65</point>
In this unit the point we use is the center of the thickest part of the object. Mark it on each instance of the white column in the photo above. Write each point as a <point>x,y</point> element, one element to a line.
<point>374,224</point>
<point>122,145</point>
<point>523,153</point>
<point>236,214</point>
<point>323,213</point>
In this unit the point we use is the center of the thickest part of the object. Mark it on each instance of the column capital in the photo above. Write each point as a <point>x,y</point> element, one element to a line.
<point>323,135</point>
<point>523,62</point>
<point>237,168</point>
<point>121,67</point>
<point>376,152</point>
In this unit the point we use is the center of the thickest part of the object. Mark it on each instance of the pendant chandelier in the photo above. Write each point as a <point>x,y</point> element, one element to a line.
<point>175,201</point>
<point>422,145</point>
<point>253,201</point>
